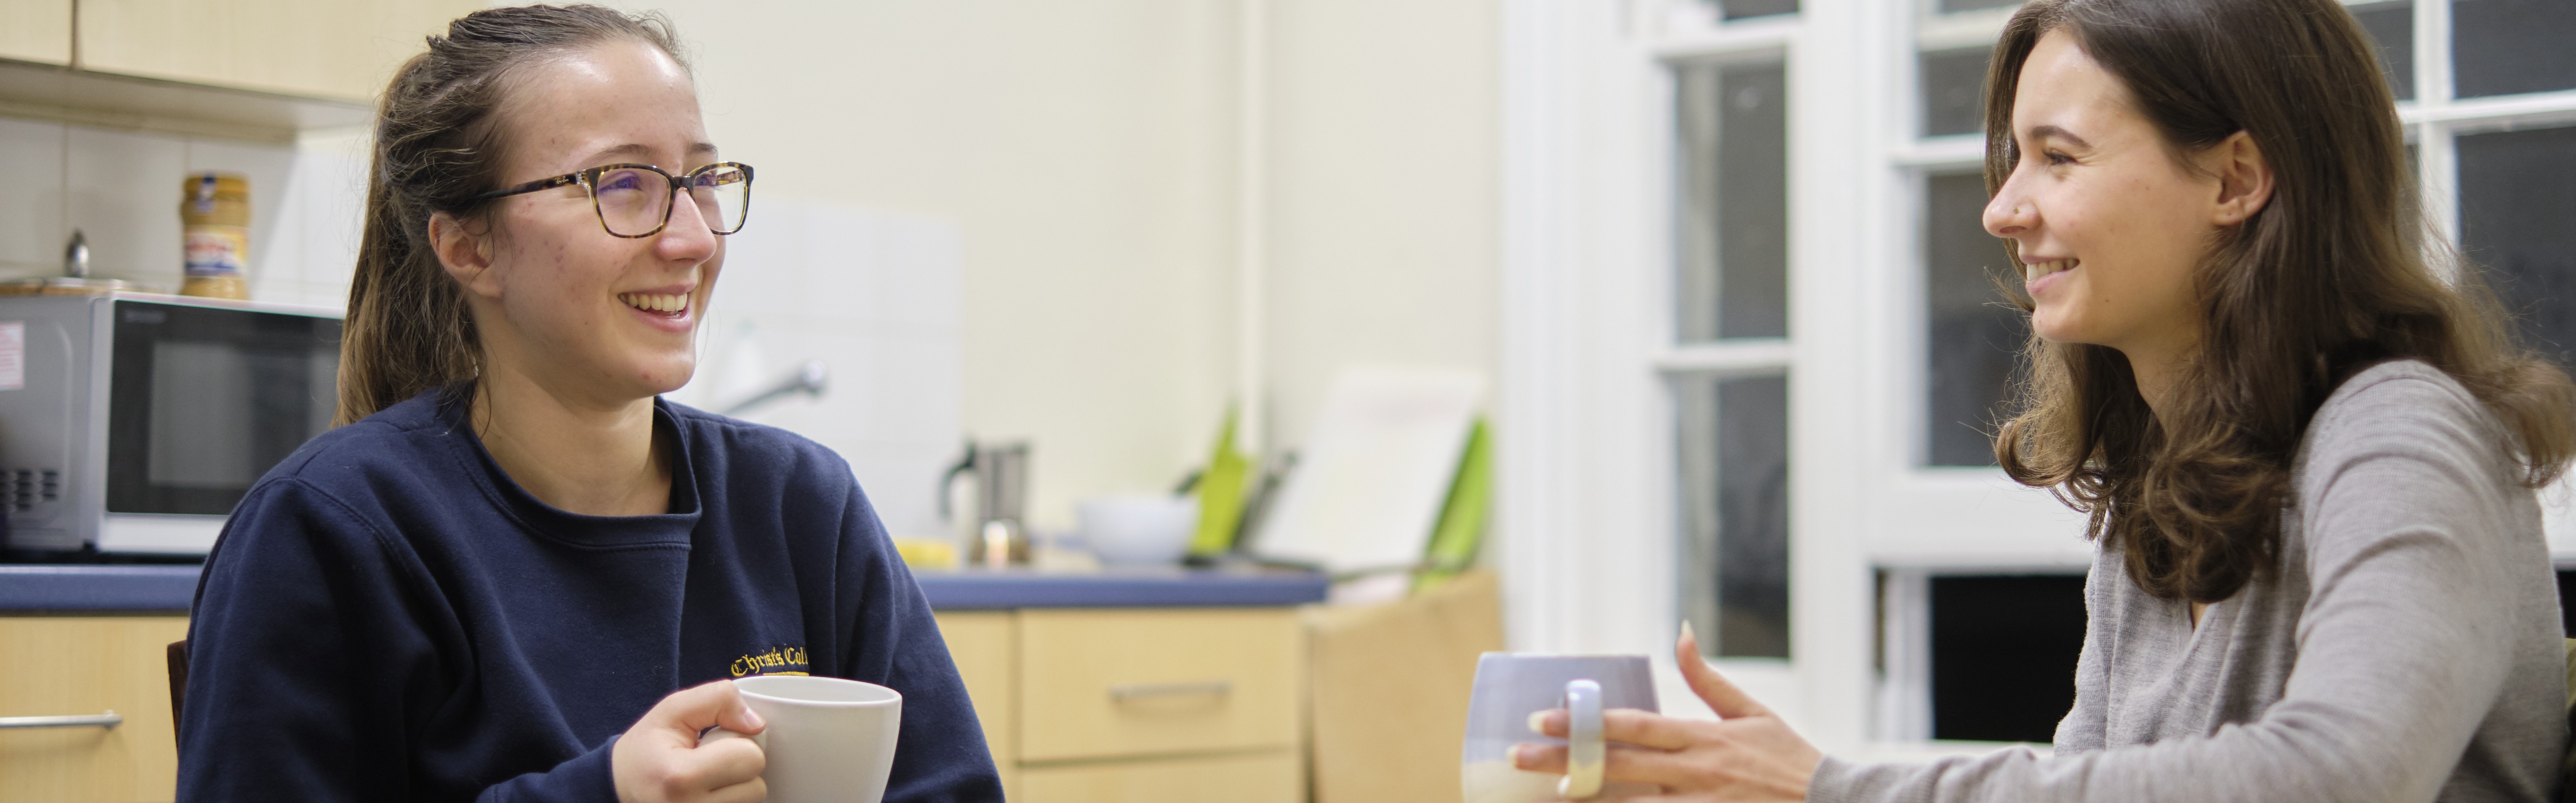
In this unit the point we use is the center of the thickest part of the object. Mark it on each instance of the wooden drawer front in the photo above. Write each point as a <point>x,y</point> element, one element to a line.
<point>981,643</point>
<point>1101,683</point>
<point>54,666</point>
<point>1260,778</point>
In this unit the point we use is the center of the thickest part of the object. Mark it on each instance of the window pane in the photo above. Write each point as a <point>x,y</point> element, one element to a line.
<point>2517,196</point>
<point>1739,9</point>
<point>1734,223</point>
<point>1954,84</point>
<point>1734,454</point>
<point>1973,340</point>
<point>2003,655</point>
<point>2392,27</point>
<point>1971,5</point>
<point>2505,47</point>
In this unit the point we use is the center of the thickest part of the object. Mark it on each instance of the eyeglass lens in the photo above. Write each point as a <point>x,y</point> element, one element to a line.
<point>634,201</point>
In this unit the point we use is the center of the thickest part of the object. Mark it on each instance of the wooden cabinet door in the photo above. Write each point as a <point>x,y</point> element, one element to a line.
<point>985,646</point>
<point>78,665</point>
<point>337,49</point>
<point>36,30</point>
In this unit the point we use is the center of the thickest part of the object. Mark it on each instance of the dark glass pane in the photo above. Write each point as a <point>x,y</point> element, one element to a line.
<point>1739,9</point>
<point>1971,5</point>
<point>2517,199</point>
<point>2567,601</point>
<point>2003,655</point>
<point>1954,83</point>
<point>2392,27</point>
<point>1974,340</point>
<point>1733,269</point>
<point>2506,47</point>
<point>1734,454</point>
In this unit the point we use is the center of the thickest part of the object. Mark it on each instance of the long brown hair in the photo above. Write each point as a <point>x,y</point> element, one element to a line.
<point>2331,276</point>
<point>438,144</point>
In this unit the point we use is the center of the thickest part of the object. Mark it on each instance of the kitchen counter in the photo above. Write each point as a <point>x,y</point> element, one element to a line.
<point>37,588</point>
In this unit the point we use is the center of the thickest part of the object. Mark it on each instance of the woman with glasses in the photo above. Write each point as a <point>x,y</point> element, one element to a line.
<point>513,572</point>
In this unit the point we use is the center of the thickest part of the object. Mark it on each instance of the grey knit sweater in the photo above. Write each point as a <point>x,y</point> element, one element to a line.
<point>2408,649</point>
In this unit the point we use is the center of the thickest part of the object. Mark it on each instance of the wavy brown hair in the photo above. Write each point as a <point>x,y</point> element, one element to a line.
<point>2330,277</point>
<point>439,143</point>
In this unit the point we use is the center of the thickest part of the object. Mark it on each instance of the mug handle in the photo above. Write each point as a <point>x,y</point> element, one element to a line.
<point>1584,750</point>
<point>718,733</point>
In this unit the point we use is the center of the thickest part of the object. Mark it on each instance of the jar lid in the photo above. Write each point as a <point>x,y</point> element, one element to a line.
<point>215,183</point>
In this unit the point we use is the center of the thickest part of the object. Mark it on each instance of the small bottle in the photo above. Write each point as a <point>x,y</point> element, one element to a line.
<point>214,210</point>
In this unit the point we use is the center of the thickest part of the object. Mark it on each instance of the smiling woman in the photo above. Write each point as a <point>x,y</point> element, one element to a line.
<point>2308,448</point>
<point>514,572</point>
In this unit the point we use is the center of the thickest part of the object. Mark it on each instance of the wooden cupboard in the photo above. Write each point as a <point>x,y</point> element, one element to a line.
<point>331,49</point>
<point>36,30</point>
<point>1138,704</point>
<point>1078,705</point>
<point>85,665</point>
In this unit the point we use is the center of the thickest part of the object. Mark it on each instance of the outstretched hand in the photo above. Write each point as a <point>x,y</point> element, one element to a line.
<point>1748,755</point>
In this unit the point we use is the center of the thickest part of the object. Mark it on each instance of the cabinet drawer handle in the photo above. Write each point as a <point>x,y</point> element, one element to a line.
<point>1144,691</point>
<point>106,720</point>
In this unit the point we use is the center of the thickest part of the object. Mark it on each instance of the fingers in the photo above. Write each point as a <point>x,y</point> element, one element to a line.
<point>751,791</point>
<point>1625,725</point>
<point>1621,763</point>
<point>1712,688</point>
<point>724,765</point>
<point>709,705</point>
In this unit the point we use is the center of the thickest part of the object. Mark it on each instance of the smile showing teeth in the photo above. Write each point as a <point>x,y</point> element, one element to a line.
<point>2031,271</point>
<point>656,302</point>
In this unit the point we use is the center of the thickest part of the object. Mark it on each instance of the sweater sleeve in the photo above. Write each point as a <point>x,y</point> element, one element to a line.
<point>2402,646</point>
<point>940,755</point>
<point>311,656</point>
<point>298,650</point>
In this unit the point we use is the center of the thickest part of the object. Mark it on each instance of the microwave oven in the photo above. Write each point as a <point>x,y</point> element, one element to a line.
<point>132,423</point>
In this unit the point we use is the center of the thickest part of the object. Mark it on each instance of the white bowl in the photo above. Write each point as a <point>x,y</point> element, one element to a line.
<point>1139,530</point>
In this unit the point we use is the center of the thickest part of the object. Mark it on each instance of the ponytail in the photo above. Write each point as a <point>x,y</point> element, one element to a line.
<point>438,145</point>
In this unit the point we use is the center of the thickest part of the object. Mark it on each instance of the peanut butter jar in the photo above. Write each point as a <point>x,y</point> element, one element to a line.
<point>214,212</point>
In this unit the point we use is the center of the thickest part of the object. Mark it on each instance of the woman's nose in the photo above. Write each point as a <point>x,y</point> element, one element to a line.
<point>687,236</point>
<point>2010,214</point>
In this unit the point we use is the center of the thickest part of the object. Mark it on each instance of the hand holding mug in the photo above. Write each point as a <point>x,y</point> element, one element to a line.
<point>662,760</point>
<point>1748,755</point>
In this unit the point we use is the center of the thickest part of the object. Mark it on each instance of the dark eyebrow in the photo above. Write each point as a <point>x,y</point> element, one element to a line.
<point>2054,132</point>
<point>637,150</point>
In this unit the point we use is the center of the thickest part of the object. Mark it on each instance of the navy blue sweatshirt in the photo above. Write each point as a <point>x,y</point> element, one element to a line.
<point>388,616</point>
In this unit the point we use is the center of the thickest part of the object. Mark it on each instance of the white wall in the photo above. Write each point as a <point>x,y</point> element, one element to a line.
<point>1384,180</point>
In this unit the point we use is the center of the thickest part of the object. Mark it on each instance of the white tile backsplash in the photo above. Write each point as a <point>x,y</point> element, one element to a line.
<point>125,199</point>
<point>122,190</point>
<point>873,295</point>
<point>31,205</point>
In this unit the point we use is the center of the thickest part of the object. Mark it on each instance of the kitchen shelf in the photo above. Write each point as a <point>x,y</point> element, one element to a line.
<point>104,100</point>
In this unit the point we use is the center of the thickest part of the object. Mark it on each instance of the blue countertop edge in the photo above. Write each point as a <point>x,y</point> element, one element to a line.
<point>72,588</point>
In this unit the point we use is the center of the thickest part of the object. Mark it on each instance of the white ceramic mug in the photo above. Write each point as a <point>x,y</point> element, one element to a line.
<point>1512,686</point>
<point>828,739</point>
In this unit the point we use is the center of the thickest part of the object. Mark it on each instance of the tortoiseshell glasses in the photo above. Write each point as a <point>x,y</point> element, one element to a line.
<point>634,200</point>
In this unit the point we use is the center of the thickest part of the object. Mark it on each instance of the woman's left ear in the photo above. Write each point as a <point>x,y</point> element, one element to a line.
<point>2244,179</point>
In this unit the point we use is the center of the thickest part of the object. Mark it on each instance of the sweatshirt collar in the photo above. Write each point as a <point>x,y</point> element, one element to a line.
<point>576,529</point>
